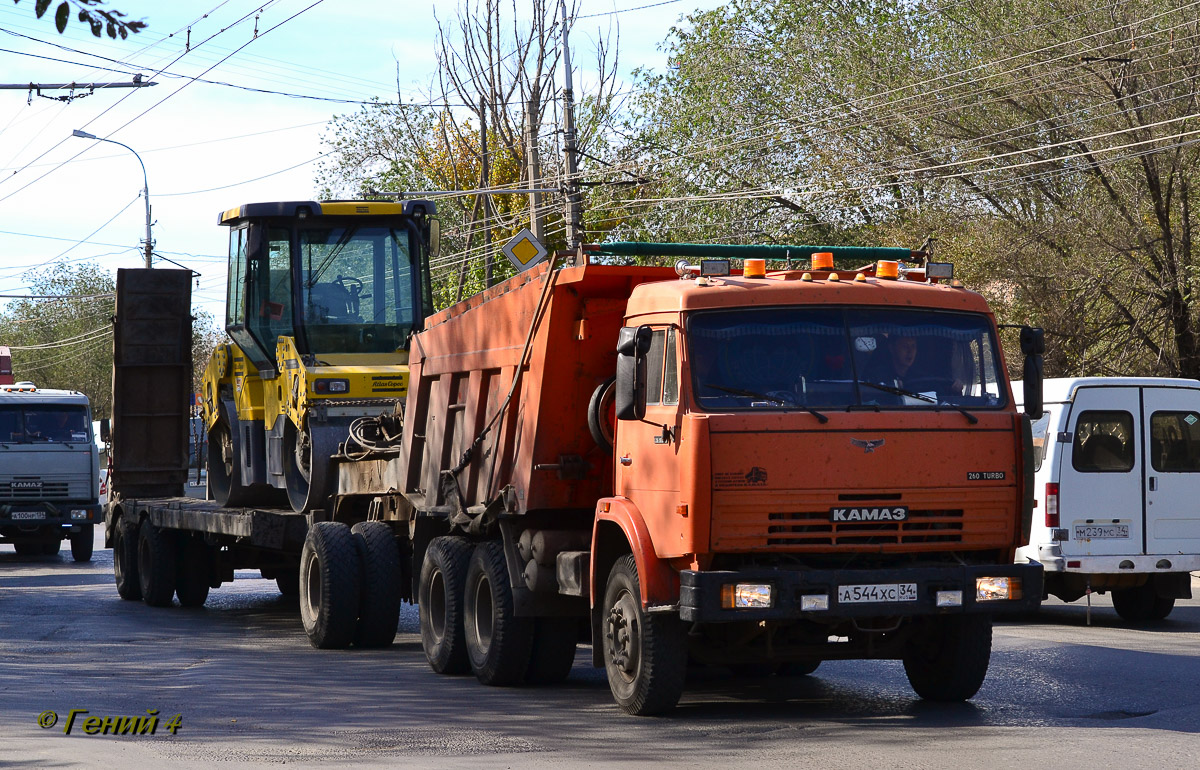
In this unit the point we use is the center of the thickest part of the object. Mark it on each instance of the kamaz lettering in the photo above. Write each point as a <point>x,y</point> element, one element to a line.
<point>898,513</point>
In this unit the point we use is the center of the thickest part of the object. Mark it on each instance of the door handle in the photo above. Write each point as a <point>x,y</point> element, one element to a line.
<point>1153,483</point>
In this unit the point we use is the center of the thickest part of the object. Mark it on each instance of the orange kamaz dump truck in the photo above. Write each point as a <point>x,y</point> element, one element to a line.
<point>753,469</point>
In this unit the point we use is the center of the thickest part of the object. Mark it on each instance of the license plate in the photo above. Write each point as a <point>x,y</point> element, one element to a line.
<point>879,592</point>
<point>19,515</point>
<point>1101,531</point>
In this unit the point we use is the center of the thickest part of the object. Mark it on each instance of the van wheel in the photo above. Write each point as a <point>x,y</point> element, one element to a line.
<point>553,653</point>
<point>330,583</point>
<point>498,642</point>
<point>440,604</point>
<point>1141,604</point>
<point>81,543</point>
<point>157,567</point>
<point>379,607</point>
<point>947,657</point>
<point>125,571</point>
<point>645,655</point>
<point>195,572</point>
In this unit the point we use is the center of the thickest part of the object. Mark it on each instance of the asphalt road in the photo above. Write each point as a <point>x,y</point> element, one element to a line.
<point>252,692</point>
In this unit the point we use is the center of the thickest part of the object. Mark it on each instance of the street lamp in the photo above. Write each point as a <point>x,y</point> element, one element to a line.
<point>145,182</point>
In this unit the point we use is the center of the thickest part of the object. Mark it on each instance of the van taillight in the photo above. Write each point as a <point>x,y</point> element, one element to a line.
<point>1052,505</point>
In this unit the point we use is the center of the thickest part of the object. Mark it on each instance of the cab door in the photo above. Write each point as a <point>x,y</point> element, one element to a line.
<point>1173,472</point>
<point>1101,503</point>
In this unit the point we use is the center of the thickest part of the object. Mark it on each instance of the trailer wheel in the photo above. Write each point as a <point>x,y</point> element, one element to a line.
<point>947,658</point>
<point>1141,604</point>
<point>379,608</point>
<point>125,571</point>
<point>602,415</point>
<point>645,655</point>
<point>195,572</point>
<point>81,543</point>
<point>288,581</point>
<point>498,642</point>
<point>330,581</point>
<point>440,604</point>
<point>553,654</point>
<point>157,564</point>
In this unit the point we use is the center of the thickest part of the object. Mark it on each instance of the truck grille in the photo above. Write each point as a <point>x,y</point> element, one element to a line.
<point>815,528</point>
<point>799,520</point>
<point>48,490</point>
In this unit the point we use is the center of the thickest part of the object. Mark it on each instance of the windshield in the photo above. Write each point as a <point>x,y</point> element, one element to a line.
<point>780,358</point>
<point>43,423</point>
<point>356,289</point>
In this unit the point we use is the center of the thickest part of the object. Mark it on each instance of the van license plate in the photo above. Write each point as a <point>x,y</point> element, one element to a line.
<point>18,515</point>
<point>885,592</point>
<point>1101,531</point>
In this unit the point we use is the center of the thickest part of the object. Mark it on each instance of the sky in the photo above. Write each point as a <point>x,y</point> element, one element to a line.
<point>206,147</point>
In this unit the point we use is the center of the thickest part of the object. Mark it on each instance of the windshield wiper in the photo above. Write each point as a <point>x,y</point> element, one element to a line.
<point>765,397</point>
<point>920,396</point>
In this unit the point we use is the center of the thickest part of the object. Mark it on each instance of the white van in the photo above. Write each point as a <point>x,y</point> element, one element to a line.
<point>1117,486</point>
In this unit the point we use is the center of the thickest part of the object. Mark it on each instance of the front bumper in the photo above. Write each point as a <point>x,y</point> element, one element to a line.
<point>700,592</point>
<point>43,517</point>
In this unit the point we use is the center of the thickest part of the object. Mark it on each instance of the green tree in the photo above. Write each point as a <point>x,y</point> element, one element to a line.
<point>65,342</point>
<point>92,13</point>
<point>1051,144</point>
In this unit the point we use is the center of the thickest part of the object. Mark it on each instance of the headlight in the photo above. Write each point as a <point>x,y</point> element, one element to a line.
<point>331,386</point>
<point>80,515</point>
<point>989,589</point>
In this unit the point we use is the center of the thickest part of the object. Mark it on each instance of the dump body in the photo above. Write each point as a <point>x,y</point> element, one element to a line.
<point>462,369</point>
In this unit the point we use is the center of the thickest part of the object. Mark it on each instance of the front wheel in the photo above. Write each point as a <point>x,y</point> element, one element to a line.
<point>81,543</point>
<point>330,584</point>
<point>947,658</point>
<point>645,655</point>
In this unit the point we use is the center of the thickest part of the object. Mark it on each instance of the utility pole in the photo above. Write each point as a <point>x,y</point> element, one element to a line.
<point>571,169</point>
<point>485,174</point>
<point>533,161</point>
<point>149,241</point>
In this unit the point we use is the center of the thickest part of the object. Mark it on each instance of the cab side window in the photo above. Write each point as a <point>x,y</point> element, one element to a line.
<point>1103,442</point>
<point>662,370</point>
<point>1175,442</point>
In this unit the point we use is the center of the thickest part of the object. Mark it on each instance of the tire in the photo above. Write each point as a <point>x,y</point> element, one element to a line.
<point>157,560</point>
<point>1141,604</point>
<point>645,655</point>
<point>330,582</point>
<point>600,422</point>
<point>379,608</point>
<point>288,581</point>
<point>947,659</point>
<point>440,591</point>
<point>195,572</point>
<point>799,668</point>
<point>553,652</point>
<point>82,543</point>
<point>27,548</point>
<point>52,548</point>
<point>498,642</point>
<point>125,571</point>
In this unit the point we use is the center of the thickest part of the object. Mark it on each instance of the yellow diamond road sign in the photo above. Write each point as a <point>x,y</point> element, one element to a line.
<point>523,250</point>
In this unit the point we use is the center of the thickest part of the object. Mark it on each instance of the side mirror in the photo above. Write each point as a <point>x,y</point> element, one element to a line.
<point>1033,345</point>
<point>105,430</point>
<point>633,343</point>
<point>435,237</point>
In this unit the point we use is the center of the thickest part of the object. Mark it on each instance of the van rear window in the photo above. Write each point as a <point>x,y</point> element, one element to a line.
<point>1175,442</point>
<point>1103,442</point>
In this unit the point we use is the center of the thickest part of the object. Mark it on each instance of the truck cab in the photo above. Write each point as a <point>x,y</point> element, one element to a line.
<point>1117,475</point>
<point>49,470</point>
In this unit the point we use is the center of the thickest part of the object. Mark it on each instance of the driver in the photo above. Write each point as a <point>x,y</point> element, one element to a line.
<point>896,362</point>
